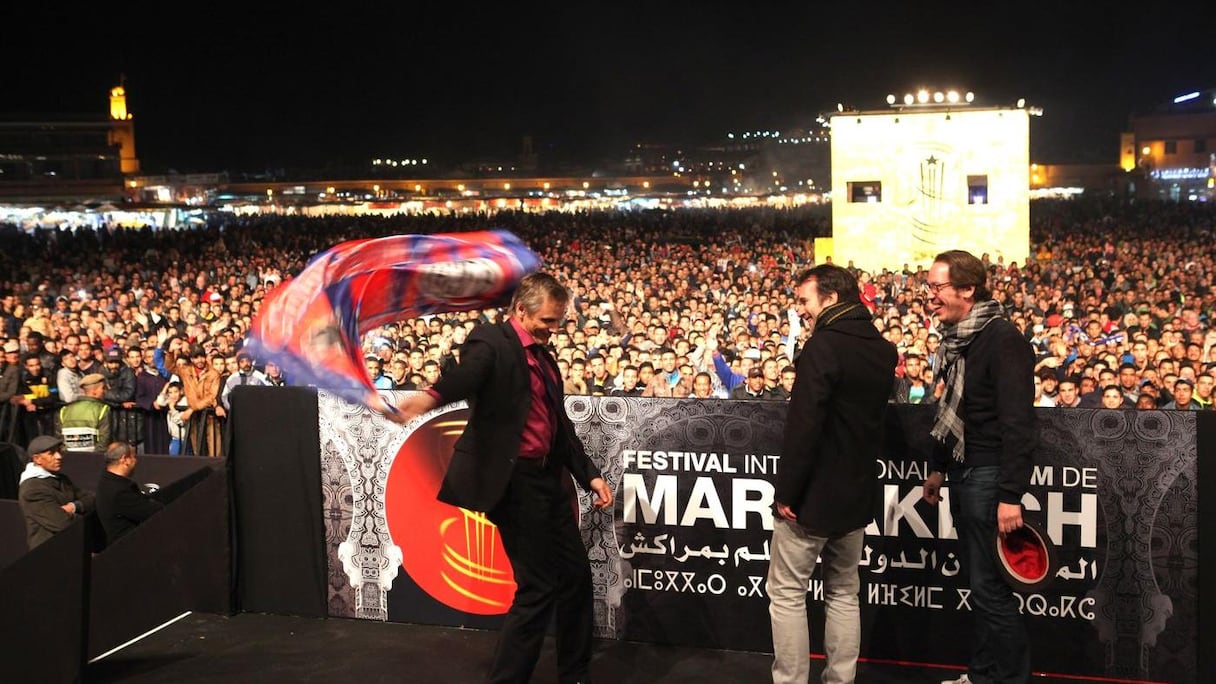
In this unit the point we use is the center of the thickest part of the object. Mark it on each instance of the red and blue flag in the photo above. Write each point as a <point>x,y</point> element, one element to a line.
<point>312,325</point>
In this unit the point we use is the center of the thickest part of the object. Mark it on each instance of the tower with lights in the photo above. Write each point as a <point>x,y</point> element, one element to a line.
<point>122,130</point>
<point>931,173</point>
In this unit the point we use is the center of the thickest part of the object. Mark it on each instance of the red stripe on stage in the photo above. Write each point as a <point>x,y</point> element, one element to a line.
<point>1052,675</point>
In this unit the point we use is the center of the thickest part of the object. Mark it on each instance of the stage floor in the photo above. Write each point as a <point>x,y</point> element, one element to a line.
<point>267,649</point>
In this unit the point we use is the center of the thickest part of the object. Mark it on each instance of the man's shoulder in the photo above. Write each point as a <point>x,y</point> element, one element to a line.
<point>112,481</point>
<point>489,332</point>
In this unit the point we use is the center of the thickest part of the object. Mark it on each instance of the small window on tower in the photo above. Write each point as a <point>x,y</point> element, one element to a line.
<point>977,189</point>
<point>865,191</point>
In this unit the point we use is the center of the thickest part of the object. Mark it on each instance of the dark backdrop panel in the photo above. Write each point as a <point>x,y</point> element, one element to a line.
<point>163,471</point>
<point>11,465</point>
<point>1205,428</point>
<point>176,561</point>
<point>12,532</point>
<point>279,540</point>
<point>42,626</point>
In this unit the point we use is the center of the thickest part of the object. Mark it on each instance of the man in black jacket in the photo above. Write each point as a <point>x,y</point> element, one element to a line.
<point>986,438</point>
<point>49,500</point>
<point>511,463</point>
<point>121,504</point>
<point>827,478</point>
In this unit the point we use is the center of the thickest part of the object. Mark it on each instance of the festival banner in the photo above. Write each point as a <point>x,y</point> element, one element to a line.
<point>683,558</point>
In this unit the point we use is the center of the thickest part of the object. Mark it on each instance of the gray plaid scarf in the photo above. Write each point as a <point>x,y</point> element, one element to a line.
<point>956,338</point>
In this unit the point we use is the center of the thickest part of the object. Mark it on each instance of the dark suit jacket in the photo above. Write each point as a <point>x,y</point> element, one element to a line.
<point>493,377</point>
<point>833,431</point>
<point>121,505</point>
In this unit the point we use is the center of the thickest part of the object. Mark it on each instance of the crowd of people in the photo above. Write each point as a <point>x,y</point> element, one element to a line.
<point>136,335</point>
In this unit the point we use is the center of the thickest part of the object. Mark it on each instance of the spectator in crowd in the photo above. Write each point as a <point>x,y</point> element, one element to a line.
<point>247,375</point>
<point>1113,398</point>
<point>374,367</point>
<point>703,386</point>
<point>1183,394</point>
<point>1041,399</point>
<point>85,424</point>
<point>600,380</point>
<point>201,385</point>
<point>754,387</point>
<point>1068,393</point>
<point>788,375</point>
<point>67,378</point>
<point>911,388</point>
<point>172,402</point>
<point>39,397</point>
<point>668,381</point>
<point>148,385</point>
<point>121,503</point>
<point>1129,381</point>
<point>120,395</point>
<point>398,371</point>
<point>431,374</point>
<point>274,374</point>
<point>1050,385</point>
<point>35,344</point>
<point>1105,377</point>
<point>1204,386</point>
<point>629,386</point>
<point>49,500</point>
<point>772,378</point>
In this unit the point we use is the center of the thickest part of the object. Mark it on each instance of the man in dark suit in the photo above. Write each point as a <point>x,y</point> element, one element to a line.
<point>121,504</point>
<point>511,463</point>
<point>827,479</point>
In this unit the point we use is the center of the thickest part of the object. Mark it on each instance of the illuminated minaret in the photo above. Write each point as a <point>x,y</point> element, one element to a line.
<point>122,129</point>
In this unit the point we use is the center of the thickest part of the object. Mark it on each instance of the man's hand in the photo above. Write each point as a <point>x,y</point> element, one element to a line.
<point>603,493</point>
<point>932,489</point>
<point>786,512</point>
<point>1008,517</point>
<point>408,409</point>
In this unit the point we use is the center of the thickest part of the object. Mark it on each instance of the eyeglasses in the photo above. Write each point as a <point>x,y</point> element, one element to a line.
<point>935,288</point>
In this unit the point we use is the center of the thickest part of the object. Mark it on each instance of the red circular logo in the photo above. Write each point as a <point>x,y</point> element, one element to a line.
<point>454,555</point>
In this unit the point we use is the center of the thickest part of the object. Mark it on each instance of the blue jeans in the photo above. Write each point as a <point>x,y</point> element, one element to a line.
<point>1001,650</point>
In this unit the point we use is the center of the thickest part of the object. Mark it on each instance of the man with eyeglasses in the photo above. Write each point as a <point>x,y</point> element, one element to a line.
<point>986,438</point>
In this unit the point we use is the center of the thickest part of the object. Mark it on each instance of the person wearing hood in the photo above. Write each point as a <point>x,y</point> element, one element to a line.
<point>49,500</point>
<point>827,481</point>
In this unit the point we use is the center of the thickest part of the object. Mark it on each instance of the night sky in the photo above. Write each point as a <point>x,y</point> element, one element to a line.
<point>244,88</point>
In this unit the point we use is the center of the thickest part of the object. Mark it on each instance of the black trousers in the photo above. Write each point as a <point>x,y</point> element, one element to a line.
<point>552,576</point>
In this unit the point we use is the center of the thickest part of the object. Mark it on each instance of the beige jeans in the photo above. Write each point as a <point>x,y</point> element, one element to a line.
<point>793,555</point>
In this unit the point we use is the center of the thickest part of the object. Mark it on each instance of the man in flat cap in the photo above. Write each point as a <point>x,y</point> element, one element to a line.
<point>84,424</point>
<point>49,500</point>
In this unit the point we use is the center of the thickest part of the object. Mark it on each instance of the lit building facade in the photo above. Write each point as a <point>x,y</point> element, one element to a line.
<point>1172,152</point>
